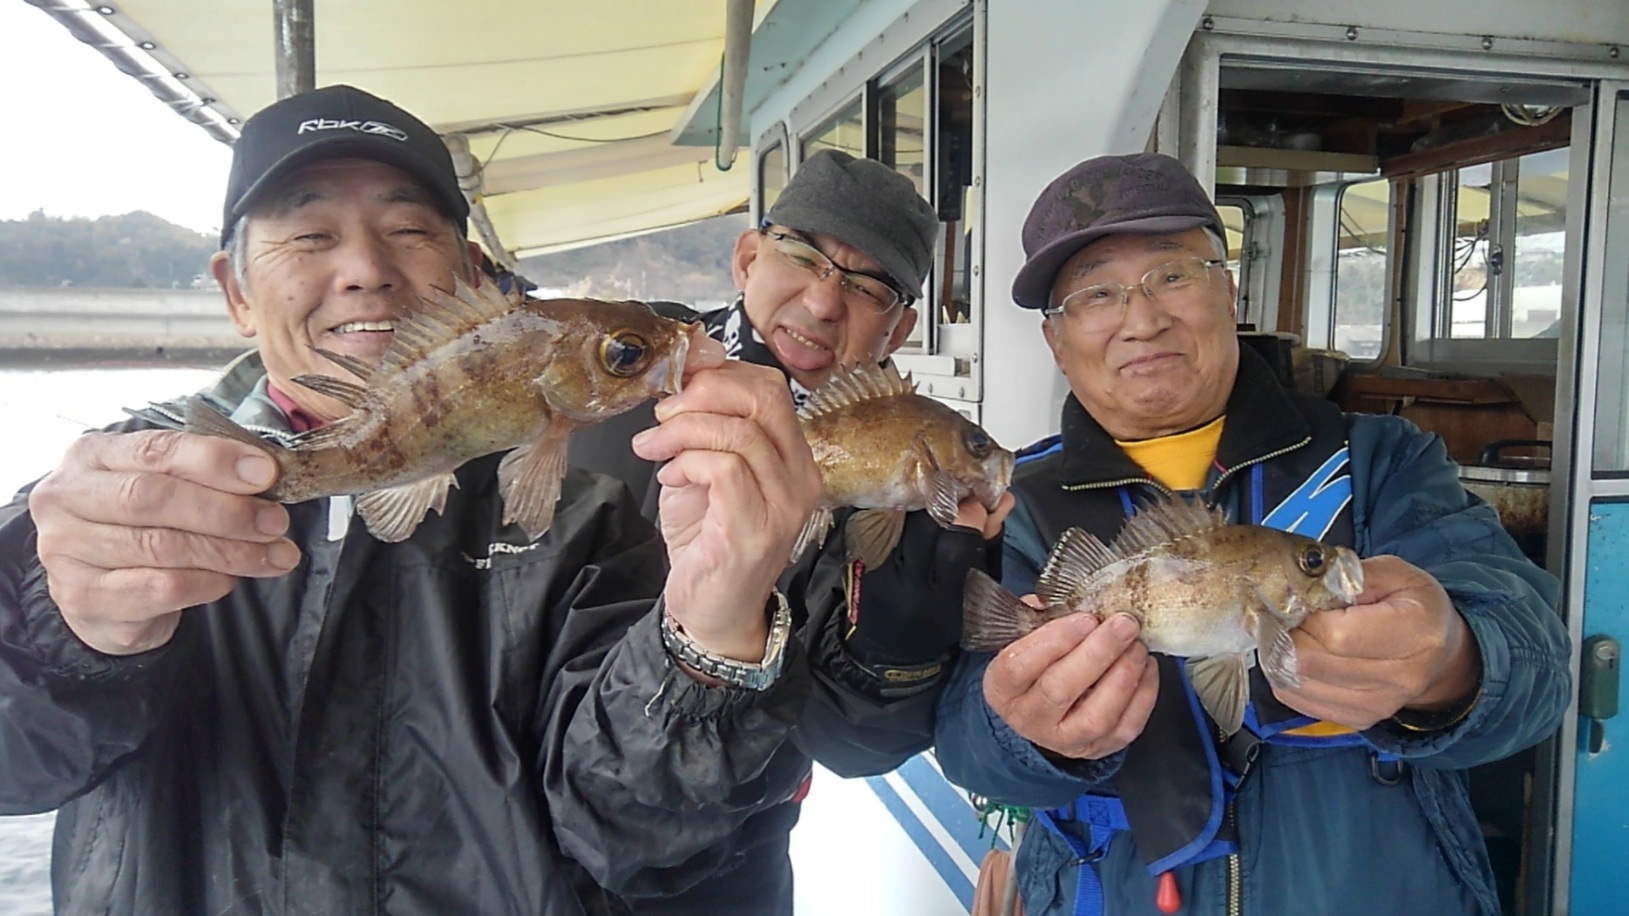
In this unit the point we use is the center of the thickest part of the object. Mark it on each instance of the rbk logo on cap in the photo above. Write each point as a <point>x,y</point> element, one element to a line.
<point>365,127</point>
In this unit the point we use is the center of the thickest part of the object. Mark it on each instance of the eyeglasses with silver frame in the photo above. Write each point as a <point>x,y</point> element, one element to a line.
<point>1104,303</point>
<point>872,292</point>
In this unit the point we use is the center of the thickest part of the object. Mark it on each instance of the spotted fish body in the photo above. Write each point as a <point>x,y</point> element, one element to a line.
<point>1202,589</point>
<point>468,374</point>
<point>887,450</point>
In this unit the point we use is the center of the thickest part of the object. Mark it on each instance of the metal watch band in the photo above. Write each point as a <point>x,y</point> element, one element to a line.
<point>749,675</point>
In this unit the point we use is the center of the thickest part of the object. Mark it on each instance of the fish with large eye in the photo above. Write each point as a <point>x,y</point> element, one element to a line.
<point>886,450</point>
<point>1219,595</point>
<point>471,373</point>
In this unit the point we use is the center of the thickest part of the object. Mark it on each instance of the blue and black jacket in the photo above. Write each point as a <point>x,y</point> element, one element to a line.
<point>1313,825</point>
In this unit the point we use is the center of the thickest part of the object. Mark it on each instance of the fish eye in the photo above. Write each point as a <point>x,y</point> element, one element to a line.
<point>623,353</point>
<point>978,442</point>
<point>1312,559</point>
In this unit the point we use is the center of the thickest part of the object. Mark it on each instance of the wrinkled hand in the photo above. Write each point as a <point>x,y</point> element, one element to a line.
<point>738,487</point>
<point>1076,687</point>
<point>1401,645</point>
<point>136,527</point>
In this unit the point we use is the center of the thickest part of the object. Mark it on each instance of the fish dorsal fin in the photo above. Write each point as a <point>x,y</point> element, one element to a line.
<point>1164,523</point>
<point>1076,557</point>
<point>350,364</point>
<point>441,318</point>
<point>348,393</point>
<point>850,386</point>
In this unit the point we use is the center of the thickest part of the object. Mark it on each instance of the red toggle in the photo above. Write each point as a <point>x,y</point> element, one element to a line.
<point>1168,898</point>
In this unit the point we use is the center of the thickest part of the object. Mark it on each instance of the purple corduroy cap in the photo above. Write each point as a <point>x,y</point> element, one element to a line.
<point>1108,195</point>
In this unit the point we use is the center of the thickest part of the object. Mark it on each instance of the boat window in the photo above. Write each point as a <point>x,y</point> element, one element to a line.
<point>772,176</point>
<point>902,108</point>
<point>1612,387</point>
<point>1361,269</point>
<point>1506,250</point>
<point>844,131</point>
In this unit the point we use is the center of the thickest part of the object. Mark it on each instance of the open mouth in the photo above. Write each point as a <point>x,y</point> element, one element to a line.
<point>351,327</point>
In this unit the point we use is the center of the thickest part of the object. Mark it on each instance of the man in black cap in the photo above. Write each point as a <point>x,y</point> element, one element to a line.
<point>240,706</point>
<point>1338,795</point>
<point>827,280</point>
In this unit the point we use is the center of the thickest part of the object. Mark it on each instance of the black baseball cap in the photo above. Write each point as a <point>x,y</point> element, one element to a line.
<point>337,122</point>
<point>1145,193</point>
<point>863,203</point>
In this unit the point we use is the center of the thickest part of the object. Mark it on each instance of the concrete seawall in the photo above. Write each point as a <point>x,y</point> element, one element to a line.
<point>72,325</point>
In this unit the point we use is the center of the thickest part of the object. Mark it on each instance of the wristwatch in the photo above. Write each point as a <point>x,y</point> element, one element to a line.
<point>749,675</point>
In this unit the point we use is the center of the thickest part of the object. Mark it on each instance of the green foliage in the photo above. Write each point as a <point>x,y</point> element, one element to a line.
<point>689,264</point>
<point>134,250</point>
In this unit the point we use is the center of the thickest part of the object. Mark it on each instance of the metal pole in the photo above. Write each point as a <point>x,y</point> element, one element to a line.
<point>296,36</point>
<point>732,85</point>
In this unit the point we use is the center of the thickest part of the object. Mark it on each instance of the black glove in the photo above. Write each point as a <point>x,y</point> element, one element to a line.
<point>910,608</point>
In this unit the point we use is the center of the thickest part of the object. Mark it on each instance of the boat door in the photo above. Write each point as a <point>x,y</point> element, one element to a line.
<point>1593,814</point>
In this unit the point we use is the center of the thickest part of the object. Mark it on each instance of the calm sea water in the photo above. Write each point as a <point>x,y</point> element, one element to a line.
<point>43,410</point>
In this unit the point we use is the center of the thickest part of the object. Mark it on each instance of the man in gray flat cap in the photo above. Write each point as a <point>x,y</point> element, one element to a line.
<point>828,280</point>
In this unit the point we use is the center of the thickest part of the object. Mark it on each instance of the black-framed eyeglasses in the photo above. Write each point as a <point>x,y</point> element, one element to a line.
<point>1104,304</point>
<point>862,289</point>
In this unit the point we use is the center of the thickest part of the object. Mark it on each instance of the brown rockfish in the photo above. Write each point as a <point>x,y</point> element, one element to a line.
<point>887,450</point>
<point>1213,593</point>
<point>468,374</point>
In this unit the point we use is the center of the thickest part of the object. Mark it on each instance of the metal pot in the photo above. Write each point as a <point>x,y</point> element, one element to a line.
<point>1518,486</point>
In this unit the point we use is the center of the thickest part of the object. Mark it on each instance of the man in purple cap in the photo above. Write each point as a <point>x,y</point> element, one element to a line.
<point>1339,795</point>
<point>245,707</point>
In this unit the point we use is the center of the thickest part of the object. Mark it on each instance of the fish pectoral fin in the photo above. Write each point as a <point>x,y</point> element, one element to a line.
<point>350,364</point>
<point>348,393</point>
<point>1222,683</point>
<point>1276,649</point>
<point>872,534</point>
<point>942,506</point>
<point>992,617</point>
<point>1071,564</point>
<point>529,478</point>
<point>394,513</point>
<point>814,532</point>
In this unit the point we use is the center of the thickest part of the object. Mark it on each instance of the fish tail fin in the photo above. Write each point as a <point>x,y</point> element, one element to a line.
<point>992,617</point>
<point>814,532</point>
<point>1222,683</point>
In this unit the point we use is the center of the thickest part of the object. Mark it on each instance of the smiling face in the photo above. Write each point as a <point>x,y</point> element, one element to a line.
<point>808,323</point>
<point>332,256</point>
<point>1168,365</point>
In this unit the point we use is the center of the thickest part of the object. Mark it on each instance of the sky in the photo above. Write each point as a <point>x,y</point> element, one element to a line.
<point>83,139</point>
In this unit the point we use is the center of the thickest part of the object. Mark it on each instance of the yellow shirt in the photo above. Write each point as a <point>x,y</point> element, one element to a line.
<point>1182,461</point>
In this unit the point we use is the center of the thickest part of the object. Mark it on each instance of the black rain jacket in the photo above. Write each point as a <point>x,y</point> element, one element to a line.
<point>463,722</point>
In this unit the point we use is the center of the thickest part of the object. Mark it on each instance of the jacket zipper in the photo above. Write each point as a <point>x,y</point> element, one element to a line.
<point>1235,870</point>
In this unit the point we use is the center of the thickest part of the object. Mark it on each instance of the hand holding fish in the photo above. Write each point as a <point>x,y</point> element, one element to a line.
<point>738,487</point>
<point>136,527</point>
<point>1401,645</point>
<point>1076,687</point>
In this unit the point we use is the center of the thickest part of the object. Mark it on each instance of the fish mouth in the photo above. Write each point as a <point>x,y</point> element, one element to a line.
<point>1345,578</point>
<point>670,370</point>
